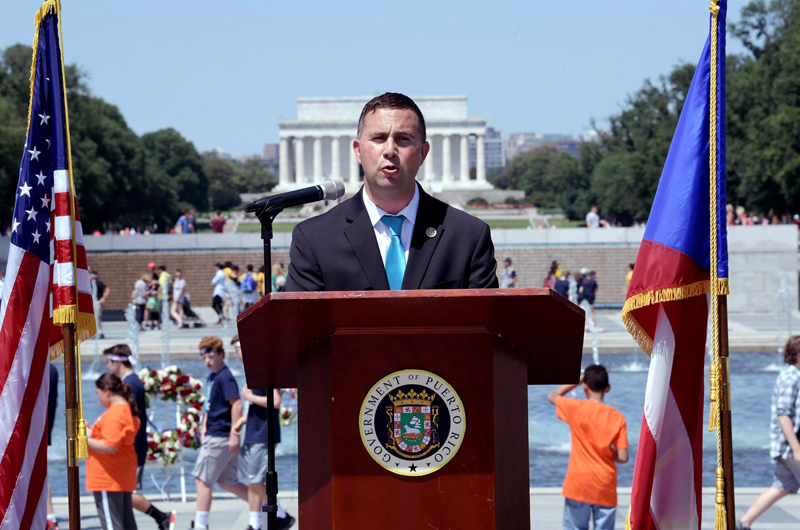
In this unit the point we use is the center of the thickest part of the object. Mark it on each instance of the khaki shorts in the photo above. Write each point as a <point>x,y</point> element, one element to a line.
<point>787,475</point>
<point>253,463</point>
<point>215,463</point>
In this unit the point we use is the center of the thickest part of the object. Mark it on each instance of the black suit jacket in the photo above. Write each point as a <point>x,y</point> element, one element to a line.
<point>338,250</point>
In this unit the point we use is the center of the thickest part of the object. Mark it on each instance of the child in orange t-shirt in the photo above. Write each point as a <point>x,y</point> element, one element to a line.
<point>599,438</point>
<point>111,467</point>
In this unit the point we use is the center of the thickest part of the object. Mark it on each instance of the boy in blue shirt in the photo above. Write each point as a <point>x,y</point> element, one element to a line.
<point>217,460</point>
<point>253,454</point>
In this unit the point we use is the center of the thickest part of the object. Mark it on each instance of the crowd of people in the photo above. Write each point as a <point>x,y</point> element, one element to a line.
<point>236,290</point>
<point>151,291</point>
<point>579,288</point>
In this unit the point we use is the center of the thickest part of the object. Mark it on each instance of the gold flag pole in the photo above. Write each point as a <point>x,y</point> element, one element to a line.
<point>719,384</point>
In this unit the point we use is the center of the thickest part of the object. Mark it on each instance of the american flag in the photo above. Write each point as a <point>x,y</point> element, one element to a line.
<point>666,309</point>
<point>40,282</point>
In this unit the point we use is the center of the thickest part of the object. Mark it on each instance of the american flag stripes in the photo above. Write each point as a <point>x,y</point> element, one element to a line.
<point>43,270</point>
<point>666,309</point>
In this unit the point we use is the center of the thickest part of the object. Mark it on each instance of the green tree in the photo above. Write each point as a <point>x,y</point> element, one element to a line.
<point>180,165</point>
<point>763,92</point>
<point>254,177</point>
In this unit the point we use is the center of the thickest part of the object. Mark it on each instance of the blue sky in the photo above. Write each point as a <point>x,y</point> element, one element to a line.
<point>222,73</point>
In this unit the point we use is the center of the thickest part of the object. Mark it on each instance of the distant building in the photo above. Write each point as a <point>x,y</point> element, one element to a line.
<point>495,149</point>
<point>272,152</point>
<point>318,144</point>
<point>221,153</point>
<point>521,142</point>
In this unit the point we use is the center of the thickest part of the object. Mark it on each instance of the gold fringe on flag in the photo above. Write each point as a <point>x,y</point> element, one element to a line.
<point>658,296</point>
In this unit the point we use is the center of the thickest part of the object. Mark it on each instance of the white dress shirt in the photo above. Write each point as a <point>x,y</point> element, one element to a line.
<point>382,232</point>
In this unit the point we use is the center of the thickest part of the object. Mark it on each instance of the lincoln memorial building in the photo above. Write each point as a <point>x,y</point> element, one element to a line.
<point>318,145</point>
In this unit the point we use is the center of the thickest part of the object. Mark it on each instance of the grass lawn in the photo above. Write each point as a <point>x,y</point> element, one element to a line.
<point>566,223</point>
<point>507,223</point>
<point>256,227</point>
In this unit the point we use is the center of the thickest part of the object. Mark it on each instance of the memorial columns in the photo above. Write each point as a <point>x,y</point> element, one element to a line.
<point>299,160</point>
<point>480,159</point>
<point>317,178</point>
<point>447,163</point>
<point>464,159</point>
<point>283,163</point>
<point>428,164</point>
<point>336,166</point>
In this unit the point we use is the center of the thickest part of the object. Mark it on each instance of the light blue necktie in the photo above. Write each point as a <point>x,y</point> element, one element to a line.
<point>396,255</point>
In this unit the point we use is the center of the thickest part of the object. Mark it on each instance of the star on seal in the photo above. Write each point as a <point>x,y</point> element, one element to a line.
<point>412,467</point>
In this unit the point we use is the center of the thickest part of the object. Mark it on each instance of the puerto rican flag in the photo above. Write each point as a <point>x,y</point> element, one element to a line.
<point>43,270</point>
<point>666,309</point>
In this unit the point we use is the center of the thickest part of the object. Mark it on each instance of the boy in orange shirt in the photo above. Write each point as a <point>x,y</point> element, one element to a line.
<point>599,438</point>
<point>111,467</point>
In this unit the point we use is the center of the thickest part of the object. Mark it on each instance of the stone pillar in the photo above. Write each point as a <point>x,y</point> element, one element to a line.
<point>283,164</point>
<point>336,166</point>
<point>480,159</point>
<point>317,179</point>
<point>353,180</point>
<point>428,165</point>
<point>464,162</point>
<point>447,164</point>
<point>299,160</point>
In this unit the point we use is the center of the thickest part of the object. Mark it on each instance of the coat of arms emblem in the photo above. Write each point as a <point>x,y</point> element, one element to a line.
<point>408,425</point>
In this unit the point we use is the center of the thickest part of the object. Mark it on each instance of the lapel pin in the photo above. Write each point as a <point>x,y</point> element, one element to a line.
<point>430,232</point>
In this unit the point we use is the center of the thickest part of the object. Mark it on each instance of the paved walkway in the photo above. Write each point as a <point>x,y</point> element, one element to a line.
<point>547,504</point>
<point>749,332</point>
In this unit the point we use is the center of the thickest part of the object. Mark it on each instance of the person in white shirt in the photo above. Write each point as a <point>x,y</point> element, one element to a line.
<point>219,291</point>
<point>178,297</point>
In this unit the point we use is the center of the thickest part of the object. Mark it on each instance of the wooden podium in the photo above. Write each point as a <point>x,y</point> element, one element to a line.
<point>488,344</point>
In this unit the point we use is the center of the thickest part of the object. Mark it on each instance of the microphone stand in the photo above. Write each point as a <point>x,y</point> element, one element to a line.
<point>266,216</point>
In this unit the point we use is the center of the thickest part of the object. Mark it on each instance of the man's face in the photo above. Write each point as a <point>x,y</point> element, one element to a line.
<point>213,361</point>
<point>391,151</point>
<point>594,209</point>
<point>115,367</point>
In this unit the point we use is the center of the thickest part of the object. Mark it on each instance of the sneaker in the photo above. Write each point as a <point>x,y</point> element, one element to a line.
<point>741,526</point>
<point>167,522</point>
<point>285,523</point>
<point>200,527</point>
<point>51,525</point>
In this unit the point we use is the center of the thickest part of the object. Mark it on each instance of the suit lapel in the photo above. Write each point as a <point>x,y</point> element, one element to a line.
<point>429,215</point>
<point>361,235</point>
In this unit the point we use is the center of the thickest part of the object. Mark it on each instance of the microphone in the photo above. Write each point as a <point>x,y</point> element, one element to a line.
<point>328,190</point>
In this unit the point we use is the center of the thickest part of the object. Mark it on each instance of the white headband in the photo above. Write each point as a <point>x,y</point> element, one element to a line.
<point>120,358</point>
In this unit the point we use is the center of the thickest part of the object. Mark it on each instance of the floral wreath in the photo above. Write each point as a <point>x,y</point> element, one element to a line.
<point>171,384</point>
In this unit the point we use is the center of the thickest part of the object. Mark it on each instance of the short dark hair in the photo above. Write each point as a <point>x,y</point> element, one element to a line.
<point>791,350</point>
<point>392,100</point>
<point>249,267</point>
<point>162,268</point>
<point>596,378</point>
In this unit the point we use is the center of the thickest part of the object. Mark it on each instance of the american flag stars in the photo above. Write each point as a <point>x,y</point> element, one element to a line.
<point>34,153</point>
<point>25,189</point>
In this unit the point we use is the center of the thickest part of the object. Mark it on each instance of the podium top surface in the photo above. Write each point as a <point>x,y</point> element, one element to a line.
<point>547,328</point>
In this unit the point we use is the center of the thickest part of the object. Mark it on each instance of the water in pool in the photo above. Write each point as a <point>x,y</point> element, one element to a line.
<point>752,379</point>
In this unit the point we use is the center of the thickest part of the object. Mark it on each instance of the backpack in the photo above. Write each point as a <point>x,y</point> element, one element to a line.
<point>248,283</point>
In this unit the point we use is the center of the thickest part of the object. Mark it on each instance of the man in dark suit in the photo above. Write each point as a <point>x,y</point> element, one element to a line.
<point>391,234</point>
